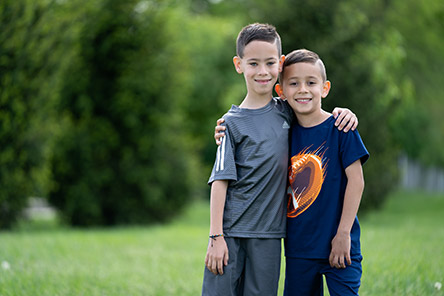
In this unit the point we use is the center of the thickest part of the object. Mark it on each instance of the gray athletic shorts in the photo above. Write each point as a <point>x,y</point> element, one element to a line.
<point>253,269</point>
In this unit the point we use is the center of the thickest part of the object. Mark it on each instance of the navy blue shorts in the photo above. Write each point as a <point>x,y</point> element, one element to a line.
<point>303,277</point>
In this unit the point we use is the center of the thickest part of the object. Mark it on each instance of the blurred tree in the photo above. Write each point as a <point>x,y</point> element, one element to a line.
<point>121,158</point>
<point>418,126</point>
<point>214,82</point>
<point>28,67</point>
<point>110,105</point>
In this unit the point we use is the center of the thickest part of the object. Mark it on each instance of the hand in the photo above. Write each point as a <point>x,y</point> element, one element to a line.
<point>217,255</point>
<point>340,250</point>
<point>345,119</point>
<point>218,131</point>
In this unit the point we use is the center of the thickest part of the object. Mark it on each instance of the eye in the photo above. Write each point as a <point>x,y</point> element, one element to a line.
<point>253,64</point>
<point>311,83</point>
<point>293,83</point>
<point>271,63</point>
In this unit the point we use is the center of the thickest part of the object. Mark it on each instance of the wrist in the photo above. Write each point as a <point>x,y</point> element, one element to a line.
<point>343,232</point>
<point>213,237</point>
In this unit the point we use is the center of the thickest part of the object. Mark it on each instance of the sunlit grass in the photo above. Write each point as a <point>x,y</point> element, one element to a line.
<point>403,248</point>
<point>158,260</point>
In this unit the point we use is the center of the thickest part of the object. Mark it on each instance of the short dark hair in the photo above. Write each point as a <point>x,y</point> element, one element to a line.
<point>257,32</point>
<point>303,56</point>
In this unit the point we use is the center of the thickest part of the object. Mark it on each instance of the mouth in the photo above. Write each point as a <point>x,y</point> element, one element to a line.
<point>263,81</point>
<point>303,100</point>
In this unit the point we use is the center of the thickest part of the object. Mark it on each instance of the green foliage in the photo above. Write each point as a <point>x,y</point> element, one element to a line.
<point>213,79</point>
<point>119,159</point>
<point>108,107</point>
<point>26,76</point>
<point>421,25</point>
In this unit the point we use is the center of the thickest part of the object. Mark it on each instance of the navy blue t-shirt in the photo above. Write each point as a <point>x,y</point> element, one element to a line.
<point>317,182</point>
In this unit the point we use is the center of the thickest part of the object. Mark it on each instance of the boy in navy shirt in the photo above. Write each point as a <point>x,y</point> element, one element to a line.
<point>325,187</point>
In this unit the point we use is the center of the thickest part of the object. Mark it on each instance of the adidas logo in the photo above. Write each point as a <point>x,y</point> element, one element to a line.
<point>285,125</point>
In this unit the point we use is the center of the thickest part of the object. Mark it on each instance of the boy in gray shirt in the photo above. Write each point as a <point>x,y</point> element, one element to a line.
<point>248,180</point>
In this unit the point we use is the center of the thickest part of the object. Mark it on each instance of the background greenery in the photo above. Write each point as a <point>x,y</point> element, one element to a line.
<point>107,108</point>
<point>402,248</point>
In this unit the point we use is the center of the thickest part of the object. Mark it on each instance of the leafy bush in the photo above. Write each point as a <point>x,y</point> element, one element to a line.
<point>120,158</point>
<point>26,73</point>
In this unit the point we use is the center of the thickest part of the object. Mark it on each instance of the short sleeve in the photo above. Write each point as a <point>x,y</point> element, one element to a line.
<point>224,167</point>
<point>352,148</point>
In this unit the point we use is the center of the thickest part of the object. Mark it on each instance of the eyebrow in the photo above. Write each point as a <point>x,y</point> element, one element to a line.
<point>267,59</point>
<point>310,77</point>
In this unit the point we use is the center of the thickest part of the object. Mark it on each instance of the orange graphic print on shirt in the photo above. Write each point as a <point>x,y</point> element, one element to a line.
<point>306,175</point>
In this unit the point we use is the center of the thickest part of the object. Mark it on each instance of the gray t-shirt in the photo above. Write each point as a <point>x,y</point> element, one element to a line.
<point>253,156</point>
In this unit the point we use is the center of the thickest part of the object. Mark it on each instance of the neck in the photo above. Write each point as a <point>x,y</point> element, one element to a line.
<point>255,102</point>
<point>312,119</point>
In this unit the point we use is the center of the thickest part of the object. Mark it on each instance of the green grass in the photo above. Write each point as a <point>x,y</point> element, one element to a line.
<point>403,248</point>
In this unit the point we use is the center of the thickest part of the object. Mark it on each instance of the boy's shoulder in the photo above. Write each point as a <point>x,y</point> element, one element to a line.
<point>284,107</point>
<point>275,105</point>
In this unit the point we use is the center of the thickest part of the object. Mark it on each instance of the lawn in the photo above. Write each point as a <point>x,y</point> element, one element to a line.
<point>403,248</point>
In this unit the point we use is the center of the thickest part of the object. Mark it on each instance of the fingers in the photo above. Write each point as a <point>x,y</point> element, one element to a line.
<point>346,121</point>
<point>218,138</point>
<point>339,261</point>
<point>220,267</point>
<point>341,120</point>
<point>219,129</point>
<point>349,122</point>
<point>331,260</point>
<point>226,258</point>
<point>216,265</point>
<point>355,125</point>
<point>218,134</point>
<point>349,262</point>
<point>213,268</point>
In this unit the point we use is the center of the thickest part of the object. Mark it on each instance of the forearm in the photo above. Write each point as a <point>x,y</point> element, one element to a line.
<point>217,205</point>
<point>217,251</point>
<point>352,197</point>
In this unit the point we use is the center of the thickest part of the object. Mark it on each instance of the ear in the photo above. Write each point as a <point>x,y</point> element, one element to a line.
<point>281,63</point>
<point>279,91</point>
<point>237,64</point>
<point>326,88</point>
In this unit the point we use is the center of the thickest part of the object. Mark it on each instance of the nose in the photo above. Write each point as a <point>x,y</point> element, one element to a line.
<point>263,69</point>
<point>303,88</point>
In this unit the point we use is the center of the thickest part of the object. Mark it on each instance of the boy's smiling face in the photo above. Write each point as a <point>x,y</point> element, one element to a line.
<point>260,65</point>
<point>304,88</point>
